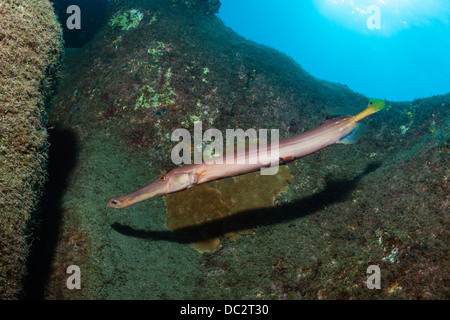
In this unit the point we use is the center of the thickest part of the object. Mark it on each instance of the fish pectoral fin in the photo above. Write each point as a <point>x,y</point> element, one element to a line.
<point>197,176</point>
<point>352,137</point>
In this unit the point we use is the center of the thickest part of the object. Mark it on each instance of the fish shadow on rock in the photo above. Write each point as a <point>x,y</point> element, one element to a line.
<point>335,191</point>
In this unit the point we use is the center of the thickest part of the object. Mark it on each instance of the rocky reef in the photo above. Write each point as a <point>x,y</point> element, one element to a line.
<point>30,53</point>
<point>205,6</point>
<point>155,66</point>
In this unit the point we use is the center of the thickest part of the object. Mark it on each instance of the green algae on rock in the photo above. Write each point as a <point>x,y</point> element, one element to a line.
<point>127,20</point>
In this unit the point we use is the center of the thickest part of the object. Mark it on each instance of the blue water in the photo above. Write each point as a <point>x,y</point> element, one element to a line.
<point>408,57</point>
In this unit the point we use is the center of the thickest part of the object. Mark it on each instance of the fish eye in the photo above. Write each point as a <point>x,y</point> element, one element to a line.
<point>163,178</point>
<point>371,102</point>
<point>114,202</point>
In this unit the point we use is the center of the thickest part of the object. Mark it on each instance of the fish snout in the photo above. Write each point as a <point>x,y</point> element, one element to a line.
<point>115,204</point>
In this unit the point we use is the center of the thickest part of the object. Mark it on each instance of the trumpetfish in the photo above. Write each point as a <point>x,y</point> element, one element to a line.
<point>331,131</point>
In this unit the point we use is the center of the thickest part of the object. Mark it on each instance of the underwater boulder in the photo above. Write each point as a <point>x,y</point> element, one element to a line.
<point>30,52</point>
<point>205,6</point>
<point>155,67</point>
<point>152,68</point>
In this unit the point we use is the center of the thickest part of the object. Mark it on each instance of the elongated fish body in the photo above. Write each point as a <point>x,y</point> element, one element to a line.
<point>298,146</point>
<point>289,149</point>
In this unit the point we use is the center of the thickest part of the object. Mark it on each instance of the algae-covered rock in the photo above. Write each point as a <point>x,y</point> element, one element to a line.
<point>205,6</point>
<point>30,50</point>
<point>123,95</point>
<point>381,201</point>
